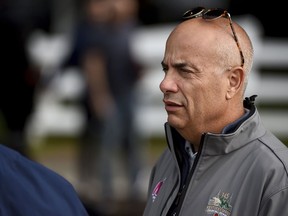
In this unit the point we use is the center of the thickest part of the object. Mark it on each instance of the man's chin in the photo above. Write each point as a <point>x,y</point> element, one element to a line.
<point>175,122</point>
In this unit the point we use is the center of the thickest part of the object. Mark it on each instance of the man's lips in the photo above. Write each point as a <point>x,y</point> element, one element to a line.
<point>171,105</point>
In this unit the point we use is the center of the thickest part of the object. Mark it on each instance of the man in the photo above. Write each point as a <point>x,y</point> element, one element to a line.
<point>220,159</point>
<point>102,53</point>
<point>28,188</point>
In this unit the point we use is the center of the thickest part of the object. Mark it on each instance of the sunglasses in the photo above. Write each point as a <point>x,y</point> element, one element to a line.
<point>211,14</point>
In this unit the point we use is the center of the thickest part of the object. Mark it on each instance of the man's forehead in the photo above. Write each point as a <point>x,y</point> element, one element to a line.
<point>190,35</point>
<point>200,25</point>
<point>185,31</point>
<point>194,46</point>
<point>191,24</point>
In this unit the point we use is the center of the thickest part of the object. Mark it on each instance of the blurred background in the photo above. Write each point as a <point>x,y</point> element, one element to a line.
<point>79,87</point>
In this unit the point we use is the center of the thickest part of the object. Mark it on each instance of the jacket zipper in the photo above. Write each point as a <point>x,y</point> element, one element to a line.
<point>182,193</point>
<point>179,195</point>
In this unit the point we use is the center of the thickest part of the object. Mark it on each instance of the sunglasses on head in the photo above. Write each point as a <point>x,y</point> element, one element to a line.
<point>211,14</point>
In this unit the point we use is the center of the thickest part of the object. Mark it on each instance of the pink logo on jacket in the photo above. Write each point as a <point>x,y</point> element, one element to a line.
<point>157,189</point>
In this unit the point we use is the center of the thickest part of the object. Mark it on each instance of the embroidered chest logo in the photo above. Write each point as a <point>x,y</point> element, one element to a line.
<point>219,205</point>
<point>157,189</point>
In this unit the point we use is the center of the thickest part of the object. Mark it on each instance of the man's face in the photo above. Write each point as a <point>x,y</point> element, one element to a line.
<point>194,85</point>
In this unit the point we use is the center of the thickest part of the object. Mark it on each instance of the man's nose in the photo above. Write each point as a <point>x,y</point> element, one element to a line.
<point>168,84</point>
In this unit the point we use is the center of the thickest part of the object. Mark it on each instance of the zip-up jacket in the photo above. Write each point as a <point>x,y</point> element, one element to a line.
<point>244,172</point>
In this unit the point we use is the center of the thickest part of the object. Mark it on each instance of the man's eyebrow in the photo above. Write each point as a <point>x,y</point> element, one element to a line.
<point>179,65</point>
<point>176,65</point>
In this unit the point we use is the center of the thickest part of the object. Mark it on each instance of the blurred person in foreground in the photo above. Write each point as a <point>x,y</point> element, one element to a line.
<point>102,52</point>
<point>220,158</point>
<point>29,188</point>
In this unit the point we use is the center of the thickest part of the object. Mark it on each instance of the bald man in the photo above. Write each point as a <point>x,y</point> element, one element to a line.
<point>220,159</point>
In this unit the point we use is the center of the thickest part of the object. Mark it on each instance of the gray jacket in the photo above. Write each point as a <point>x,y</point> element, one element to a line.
<point>244,172</point>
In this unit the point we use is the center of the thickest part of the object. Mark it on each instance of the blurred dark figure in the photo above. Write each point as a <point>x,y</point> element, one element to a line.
<point>102,52</point>
<point>17,86</point>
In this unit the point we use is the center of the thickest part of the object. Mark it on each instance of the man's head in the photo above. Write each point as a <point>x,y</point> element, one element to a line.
<point>111,11</point>
<point>204,79</point>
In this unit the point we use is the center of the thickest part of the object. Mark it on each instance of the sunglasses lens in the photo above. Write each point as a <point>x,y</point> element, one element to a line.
<point>213,13</point>
<point>195,12</point>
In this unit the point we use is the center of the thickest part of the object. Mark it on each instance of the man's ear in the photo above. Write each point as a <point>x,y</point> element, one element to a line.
<point>235,80</point>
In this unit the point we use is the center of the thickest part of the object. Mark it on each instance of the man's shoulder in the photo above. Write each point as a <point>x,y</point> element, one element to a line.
<point>277,147</point>
<point>30,187</point>
<point>273,142</point>
<point>9,157</point>
<point>14,166</point>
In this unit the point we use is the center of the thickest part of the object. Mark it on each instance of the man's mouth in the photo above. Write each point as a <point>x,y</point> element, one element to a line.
<point>171,106</point>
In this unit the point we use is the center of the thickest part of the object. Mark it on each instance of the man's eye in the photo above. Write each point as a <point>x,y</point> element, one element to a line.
<point>183,70</point>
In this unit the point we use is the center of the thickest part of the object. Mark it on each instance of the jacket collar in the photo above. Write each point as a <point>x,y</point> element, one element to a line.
<point>247,130</point>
